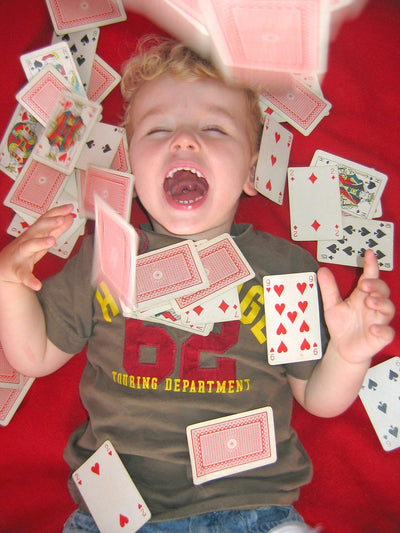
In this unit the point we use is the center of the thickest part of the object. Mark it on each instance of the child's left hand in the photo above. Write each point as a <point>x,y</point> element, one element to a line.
<point>359,325</point>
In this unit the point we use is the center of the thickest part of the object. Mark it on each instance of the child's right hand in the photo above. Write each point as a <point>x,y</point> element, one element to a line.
<point>18,258</point>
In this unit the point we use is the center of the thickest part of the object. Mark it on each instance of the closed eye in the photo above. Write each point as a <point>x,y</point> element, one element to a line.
<point>214,128</point>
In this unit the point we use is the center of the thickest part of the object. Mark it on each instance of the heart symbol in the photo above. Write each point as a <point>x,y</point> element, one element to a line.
<point>273,160</point>
<point>305,345</point>
<point>268,186</point>
<point>96,469</point>
<point>292,316</point>
<point>278,289</point>
<point>303,305</point>
<point>123,520</point>
<point>63,157</point>
<point>282,347</point>
<point>304,327</point>
<point>302,287</point>
<point>281,330</point>
<point>280,308</point>
<point>277,137</point>
<point>25,116</point>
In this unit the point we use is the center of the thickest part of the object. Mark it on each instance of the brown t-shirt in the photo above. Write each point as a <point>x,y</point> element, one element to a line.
<point>144,383</point>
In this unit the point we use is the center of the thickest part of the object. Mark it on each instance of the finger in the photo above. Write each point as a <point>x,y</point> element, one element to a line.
<point>329,290</point>
<point>371,267</point>
<point>384,306</point>
<point>375,287</point>
<point>382,332</point>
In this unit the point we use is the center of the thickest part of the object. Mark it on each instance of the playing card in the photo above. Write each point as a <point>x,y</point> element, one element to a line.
<point>121,160</point>
<point>73,15</point>
<point>273,159</point>
<point>110,494</point>
<point>103,80</point>
<point>225,266</point>
<point>60,57</point>
<point>360,187</point>
<point>224,307</point>
<point>82,45</point>
<point>68,129</point>
<point>167,273</point>
<point>35,189</point>
<point>300,106</point>
<point>267,36</point>
<point>9,377</point>
<point>380,395</point>
<point>101,146</point>
<point>360,235</point>
<point>292,318</point>
<point>41,94</point>
<point>115,188</point>
<point>18,141</point>
<point>314,201</point>
<point>231,444</point>
<point>11,399</point>
<point>115,250</point>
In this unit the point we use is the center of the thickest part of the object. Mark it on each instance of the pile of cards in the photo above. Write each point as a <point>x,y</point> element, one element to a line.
<point>380,395</point>
<point>263,40</point>
<point>55,147</point>
<point>13,388</point>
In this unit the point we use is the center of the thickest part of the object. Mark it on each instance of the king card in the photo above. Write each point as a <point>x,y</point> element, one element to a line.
<point>380,395</point>
<point>109,492</point>
<point>273,159</point>
<point>231,444</point>
<point>292,318</point>
<point>314,202</point>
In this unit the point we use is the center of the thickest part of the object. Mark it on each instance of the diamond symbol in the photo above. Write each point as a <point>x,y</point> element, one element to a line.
<point>313,178</point>
<point>198,310</point>
<point>316,225</point>
<point>223,306</point>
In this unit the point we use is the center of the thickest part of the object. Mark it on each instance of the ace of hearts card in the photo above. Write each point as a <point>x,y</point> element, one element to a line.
<point>292,318</point>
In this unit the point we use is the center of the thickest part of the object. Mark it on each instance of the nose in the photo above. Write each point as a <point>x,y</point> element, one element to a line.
<point>184,139</point>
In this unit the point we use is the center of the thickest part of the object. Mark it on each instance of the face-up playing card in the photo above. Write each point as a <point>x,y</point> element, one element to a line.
<point>288,36</point>
<point>18,141</point>
<point>41,94</point>
<point>60,57</point>
<point>9,377</point>
<point>224,307</point>
<point>359,235</point>
<point>69,127</point>
<point>70,16</point>
<point>314,202</point>
<point>380,395</point>
<point>167,273</point>
<point>300,106</point>
<point>273,159</point>
<point>11,399</point>
<point>225,266</point>
<point>231,444</point>
<point>110,494</point>
<point>292,318</point>
<point>82,45</point>
<point>115,188</point>
<point>103,80</point>
<point>35,190</point>
<point>115,250</point>
<point>360,187</point>
<point>101,146</point>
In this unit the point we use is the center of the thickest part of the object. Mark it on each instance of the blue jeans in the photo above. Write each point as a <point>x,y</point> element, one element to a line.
<point>247,521</point>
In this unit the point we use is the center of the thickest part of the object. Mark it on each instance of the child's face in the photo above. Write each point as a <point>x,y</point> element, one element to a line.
<point>201,128</point>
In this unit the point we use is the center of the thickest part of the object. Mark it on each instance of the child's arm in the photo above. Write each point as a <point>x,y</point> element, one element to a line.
<point>359,328</point>
<point>22,324</point>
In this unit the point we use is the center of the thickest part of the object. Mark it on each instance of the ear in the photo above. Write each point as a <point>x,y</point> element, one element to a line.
<point>248,187</point>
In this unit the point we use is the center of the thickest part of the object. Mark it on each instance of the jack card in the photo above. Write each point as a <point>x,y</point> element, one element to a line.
<point>109,492</point>
<point>314,202</point>
<point>380,395</point>
<point>273,159</point>
<point>231,444</point>
<point>292,318</point>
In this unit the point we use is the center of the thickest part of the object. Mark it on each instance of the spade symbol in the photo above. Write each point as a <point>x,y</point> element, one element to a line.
<point>371,185</point>
<point>382,407</point>
<point>85,39</point>
<point>379,234</point>
<point>349,229</point>
<point>73,49</point>
<point>348,250</point>
<point>90,144</point>
<point>106,148</point>
<point>394,431</point>
<point>393,376</point>
<point>372,385</point>
<point>364,231</point>
<point>333,248</point>
<point>379,254</point>
<point>38,64</point>
<point>80,60</point>
<point>65,37</point>
<point>371,243</point>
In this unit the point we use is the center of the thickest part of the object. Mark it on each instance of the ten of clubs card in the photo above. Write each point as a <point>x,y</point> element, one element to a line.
<point>292,318</point>
<point>110,494</point>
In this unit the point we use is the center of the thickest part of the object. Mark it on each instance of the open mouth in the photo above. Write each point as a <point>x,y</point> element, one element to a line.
<point>185,185</point>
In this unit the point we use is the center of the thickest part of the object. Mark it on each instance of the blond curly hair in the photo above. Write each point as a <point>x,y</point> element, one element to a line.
<point>156,56</point>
